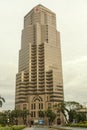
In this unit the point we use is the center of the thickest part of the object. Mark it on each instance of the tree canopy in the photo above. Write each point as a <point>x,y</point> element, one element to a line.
<point>73,105</point>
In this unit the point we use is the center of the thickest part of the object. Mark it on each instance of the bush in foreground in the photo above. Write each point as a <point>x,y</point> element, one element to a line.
<point>12,128</point>
<point>79,125</point>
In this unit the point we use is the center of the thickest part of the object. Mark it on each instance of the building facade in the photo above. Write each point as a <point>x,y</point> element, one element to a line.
<point>39,81</point>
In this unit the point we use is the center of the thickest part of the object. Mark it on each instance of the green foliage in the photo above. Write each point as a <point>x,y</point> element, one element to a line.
<point>79,125</point>
<point>2,100</point>
<point>71,108</point>
<point>73,105</point>
<point>80,117</point>
<point>51,115</point>
<point>23,114</point>
<point>61,108</point>
<point>11,117</point>
<point>41,113</point>
<point>12,128</point>
<point>3,119</point>
<point>72,115</point>
<point>5,128</point>
<point>18,127</point>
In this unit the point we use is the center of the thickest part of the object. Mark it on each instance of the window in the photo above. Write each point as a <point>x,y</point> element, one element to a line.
<point>31,106</point>
<point>31,114</point>
<point>41,105</point>
<point>34,114</point>
<point>47,40</point>
<point>34,106</point>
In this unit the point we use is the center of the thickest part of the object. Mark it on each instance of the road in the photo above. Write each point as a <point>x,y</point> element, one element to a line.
<point>66,128</point>
<point>73,128</point>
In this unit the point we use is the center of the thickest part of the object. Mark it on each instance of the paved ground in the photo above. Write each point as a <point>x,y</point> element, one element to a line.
<point>45,128</point>
<point>35,128</point>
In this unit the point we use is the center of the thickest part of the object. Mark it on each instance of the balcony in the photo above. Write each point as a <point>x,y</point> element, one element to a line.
<point>41,72</point>
<point>41,79</point>
<point>49,82</point>
<point>49,78</point>
<point>42,89</point>
<point>49,89</point>
<point>41,86</point>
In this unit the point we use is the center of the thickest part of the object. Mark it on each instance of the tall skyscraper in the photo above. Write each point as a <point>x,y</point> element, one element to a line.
<point>39,81</point>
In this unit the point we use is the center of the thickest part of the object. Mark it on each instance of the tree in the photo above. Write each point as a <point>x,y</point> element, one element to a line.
<point>51,116</point>
<point>2,100</point>
<point>72,115</point>
<point>24,114</point>
<point>41,113</point>
<point>72,106</point>
<point>3,119</point>
<point>69,108</point>
<point>81,117</point>
<point>61,108</point>
<point>13,115</point>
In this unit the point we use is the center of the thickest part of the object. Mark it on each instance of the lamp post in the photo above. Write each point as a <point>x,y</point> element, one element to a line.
<point>8,121</point>
<point>86,111</point>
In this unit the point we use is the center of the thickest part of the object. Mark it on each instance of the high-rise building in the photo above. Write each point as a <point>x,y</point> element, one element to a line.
<point>39,81</point>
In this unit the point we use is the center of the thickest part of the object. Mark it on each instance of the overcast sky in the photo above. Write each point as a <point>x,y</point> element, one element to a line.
<point>72,24</point>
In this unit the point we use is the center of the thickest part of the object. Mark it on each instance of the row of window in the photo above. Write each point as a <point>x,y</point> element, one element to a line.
<point>40,113</point>
<point>34,106</point>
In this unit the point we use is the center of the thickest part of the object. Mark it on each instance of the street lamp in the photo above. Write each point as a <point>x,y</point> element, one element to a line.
<point>8,121</point>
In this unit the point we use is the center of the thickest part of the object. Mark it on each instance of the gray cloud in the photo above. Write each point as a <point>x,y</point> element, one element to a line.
<point>7,84</point>
<point>75,79</point>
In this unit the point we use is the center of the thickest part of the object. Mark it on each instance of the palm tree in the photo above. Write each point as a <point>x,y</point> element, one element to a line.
<point>1,101</point>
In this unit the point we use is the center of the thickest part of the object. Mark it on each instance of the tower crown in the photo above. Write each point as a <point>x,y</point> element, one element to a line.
<point>38,8</point>
<point>41,15</point>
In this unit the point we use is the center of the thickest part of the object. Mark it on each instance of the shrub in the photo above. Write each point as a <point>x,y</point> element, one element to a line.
<point>12,127</point>
<point>79,125</point>
<point>20,127</point>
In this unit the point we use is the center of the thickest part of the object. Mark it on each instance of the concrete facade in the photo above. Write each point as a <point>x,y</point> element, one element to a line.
<point>39,81</point>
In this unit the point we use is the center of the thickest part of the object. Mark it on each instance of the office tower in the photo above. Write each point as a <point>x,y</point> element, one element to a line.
<point>39,81</point>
